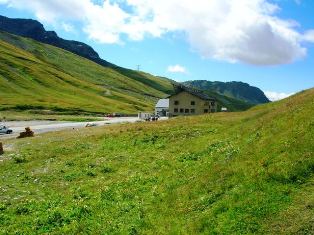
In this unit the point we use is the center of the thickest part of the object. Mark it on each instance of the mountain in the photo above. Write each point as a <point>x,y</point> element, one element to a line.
<point>37,76</point>
<point>237,90</point>
<point>155,87</point>
<point>35,30</point>
<point>229,173</point>
<point>43,78</point>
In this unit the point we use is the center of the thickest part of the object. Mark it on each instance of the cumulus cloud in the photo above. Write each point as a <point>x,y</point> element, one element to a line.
<point>176,69</point>
<point>309,36</point>
<point>247,31</point>
<point>275,96</point>
<point>68,27</point>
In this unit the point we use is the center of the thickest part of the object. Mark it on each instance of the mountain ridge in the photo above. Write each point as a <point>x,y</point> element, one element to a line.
<point>16,66</point>
<point>38,76</point>
<point>236,90</point>
<point>34,29</point>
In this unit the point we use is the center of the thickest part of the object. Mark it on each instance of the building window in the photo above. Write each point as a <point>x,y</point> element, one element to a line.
<point>176,102</point>
<point>206,103</point>
<point>192,102</point>
<point>192,110</point>
<point>176,110</point>
<point>181,110</point>
<point>205,110</point>
<point>212,103</point>
<point>187,110</point>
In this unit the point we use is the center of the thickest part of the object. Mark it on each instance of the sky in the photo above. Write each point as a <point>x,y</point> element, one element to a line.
<point>266,43</point>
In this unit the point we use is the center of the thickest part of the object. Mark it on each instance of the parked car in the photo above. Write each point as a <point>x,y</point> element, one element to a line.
<point>90,125</point>
<point>5,130</point>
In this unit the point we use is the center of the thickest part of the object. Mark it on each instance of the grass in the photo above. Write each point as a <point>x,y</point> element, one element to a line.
<point>227,173</point>
<point>38,76</point>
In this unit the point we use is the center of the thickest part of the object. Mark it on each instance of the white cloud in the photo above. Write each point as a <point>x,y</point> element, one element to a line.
<point>176,69</point>
<point>309,36</point>
<point>247,31</point>
<point>275,96</point>
<point>68,27</point>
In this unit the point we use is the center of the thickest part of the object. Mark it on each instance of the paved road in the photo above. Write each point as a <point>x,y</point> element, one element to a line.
<point>49,126</point>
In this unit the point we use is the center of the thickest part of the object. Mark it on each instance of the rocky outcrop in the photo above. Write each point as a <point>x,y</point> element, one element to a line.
<point>35,30</point>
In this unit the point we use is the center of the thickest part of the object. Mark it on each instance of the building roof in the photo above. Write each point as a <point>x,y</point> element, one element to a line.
<point>162,103</point>
<point>198,93</point>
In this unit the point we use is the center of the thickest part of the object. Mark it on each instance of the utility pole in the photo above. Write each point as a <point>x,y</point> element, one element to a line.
<point>138,67</point>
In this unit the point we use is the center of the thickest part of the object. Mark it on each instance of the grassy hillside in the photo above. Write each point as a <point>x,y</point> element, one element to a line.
<point>227,173</point>
<point>35,76</point>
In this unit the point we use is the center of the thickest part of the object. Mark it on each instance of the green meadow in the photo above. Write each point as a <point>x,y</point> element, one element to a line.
<point>44,79</point>
<point>229,173</point>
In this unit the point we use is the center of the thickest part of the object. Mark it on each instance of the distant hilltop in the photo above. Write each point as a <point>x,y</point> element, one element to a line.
<point>237,90</point>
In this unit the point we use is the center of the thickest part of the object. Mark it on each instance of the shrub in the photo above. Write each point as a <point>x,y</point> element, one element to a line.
<point>91,174</point>
<point>21,210</point>
<point>107,169</point>
<point>19,159</point>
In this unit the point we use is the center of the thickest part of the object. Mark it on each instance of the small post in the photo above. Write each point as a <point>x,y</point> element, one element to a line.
<point>1,149</point>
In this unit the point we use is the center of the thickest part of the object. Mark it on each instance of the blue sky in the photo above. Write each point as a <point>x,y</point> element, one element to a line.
<point>268,44</point>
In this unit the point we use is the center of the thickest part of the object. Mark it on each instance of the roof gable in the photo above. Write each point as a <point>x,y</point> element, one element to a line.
<point>195,92</point>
